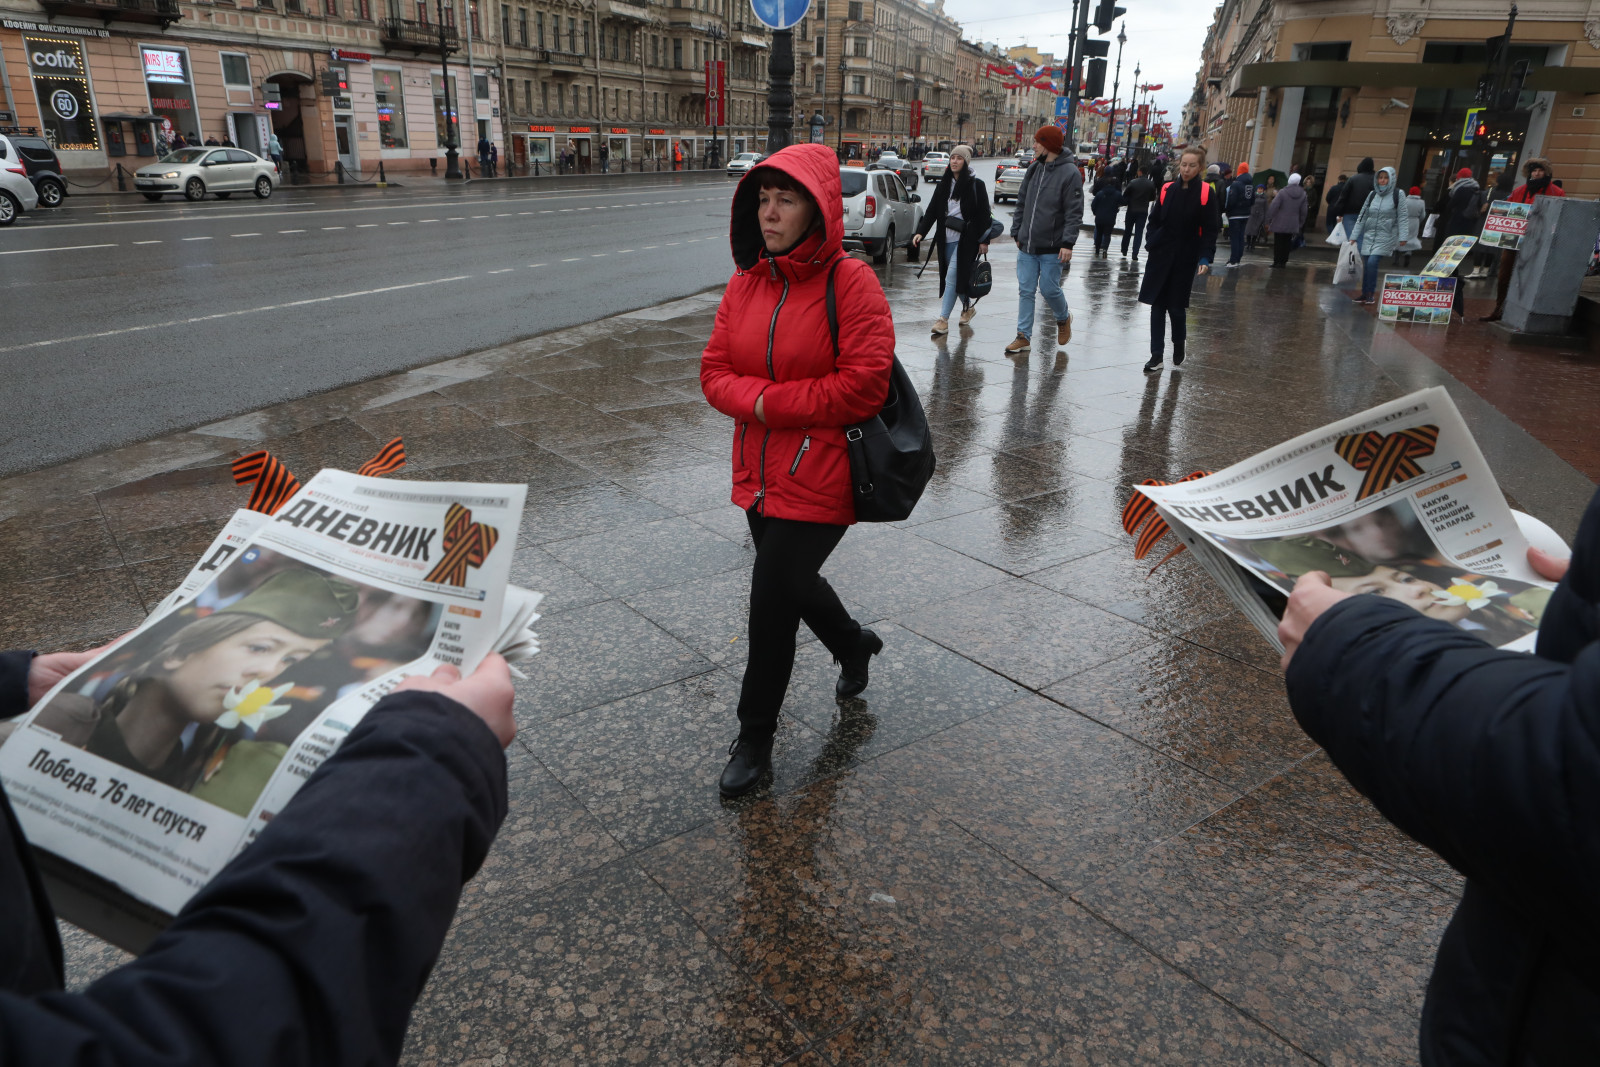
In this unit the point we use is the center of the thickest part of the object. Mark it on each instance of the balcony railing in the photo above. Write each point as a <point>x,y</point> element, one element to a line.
<point>164,12</point>
<point>418,36</point>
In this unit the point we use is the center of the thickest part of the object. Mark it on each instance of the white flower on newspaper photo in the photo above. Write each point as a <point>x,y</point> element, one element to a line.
<point>252,705</point>
<point>1463,592</point>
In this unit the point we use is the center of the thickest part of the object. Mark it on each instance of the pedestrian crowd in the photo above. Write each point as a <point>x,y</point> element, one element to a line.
<point>312,945</point>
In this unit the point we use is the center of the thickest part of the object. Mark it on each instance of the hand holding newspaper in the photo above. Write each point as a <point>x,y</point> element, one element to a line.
<point>160,759</point>
<point>1396,501</point>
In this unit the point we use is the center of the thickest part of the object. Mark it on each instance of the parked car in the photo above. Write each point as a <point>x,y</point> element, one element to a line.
<point>934,164</point>
<point>879,215</point>
<point>17,194</point>
<point>194,172</point>
<point>1008,185</point>
<point>39,160</point>
<point>903,167</point>
<point>740,164</point>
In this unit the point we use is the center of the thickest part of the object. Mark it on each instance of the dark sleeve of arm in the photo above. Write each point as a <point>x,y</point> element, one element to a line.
<point>1489,758</point>
<point>14,683</point>
<point>312,945</point>
<point>1071,210</point>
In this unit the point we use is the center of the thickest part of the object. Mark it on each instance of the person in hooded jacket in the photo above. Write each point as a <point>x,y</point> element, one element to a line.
<point>1285,216</point>
<point>1241,198</point>
<point>1105,205</point>
<point>1540,183</point>
<point>1458,216</point>
<point>1489,759</point>
<point>1334,195</point>
<point>1382,225</point>
<point>958,211</point>
<point>1418,218</point>
<point>1137,195</point>
<point>1258,218</point>
<point>312,945</point>
<point>1045,224</point>
<point>1184,224</point>
<point>1356,191</point>
<point>772,367</point>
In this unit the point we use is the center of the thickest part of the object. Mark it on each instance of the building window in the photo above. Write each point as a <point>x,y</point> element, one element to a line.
<point>818,87</point>
<point>630,103</point>
<point>858,46</point>
<point>822,42</point>
<point>572,34</point>
<point>855,11</point>
<point>366,10</point>
<point>544,95</point>
<point>330,8</point>
<point>527,93</point>
<point>538,25</point>
<point>472,14</point>
<point>235,71</point>
<point>591,100</point>
<point>505,22</point>
<point>627,46</point>
<point>677,53</point>
<point>480,86</point>
<point>858,84</point>
<point>522,26</point>
<point>445,122</point>
<point>577,101</point>
<point>387,91</point>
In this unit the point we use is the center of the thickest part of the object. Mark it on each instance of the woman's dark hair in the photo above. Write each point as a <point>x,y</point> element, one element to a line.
<point>197,637</point>
<point>773,178</point>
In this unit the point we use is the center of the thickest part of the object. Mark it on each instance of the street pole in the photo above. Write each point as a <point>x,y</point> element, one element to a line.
<point>452,121</point>
<point>780,92</point>
<point>1081,28</point>
<point>1116,85</point>
<point>1133,107</point>
<point>472,82</point>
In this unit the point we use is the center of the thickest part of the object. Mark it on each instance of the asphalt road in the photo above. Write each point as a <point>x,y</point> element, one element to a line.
<point>122,320</point>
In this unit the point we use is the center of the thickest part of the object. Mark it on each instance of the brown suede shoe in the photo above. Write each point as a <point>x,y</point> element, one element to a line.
<point>1063,332</point>
<point>1021,344</point>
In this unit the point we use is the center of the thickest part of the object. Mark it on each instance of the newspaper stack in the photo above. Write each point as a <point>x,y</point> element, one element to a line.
<point>142,773</point>
<point>1396,501</point>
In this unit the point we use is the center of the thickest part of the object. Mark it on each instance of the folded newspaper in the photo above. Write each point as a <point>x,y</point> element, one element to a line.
<point>142,773</point>
<point>1396,501</point>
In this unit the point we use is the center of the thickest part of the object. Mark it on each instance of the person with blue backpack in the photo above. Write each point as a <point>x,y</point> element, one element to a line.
<point>1183,241</point>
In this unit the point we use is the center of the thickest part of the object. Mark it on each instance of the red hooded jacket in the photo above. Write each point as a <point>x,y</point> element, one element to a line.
<point>771,341</point>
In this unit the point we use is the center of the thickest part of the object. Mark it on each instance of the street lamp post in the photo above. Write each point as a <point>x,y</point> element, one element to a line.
<point>1116,84</point>
<point>452,158</point>
<point>1133,95</point>
<point>780,91</point>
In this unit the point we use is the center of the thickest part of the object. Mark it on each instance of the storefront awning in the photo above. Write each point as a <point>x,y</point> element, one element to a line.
<point>1407,76</point>
<point>123,116</point>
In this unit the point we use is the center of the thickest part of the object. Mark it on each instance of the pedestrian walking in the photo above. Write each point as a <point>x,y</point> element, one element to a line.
<point>605,159</point>
<point>275,151</point>
<point>494,160</point>
<point>1137,195</point>
<point>1308,184</point>
<point>1418,212</point>
<point>1356,191</point>
<point>1105,205</point>
<point>1485,758</point>
<point>773,367</point>
<point>1258,218</point>
<point>1241,198</point>
<point>958,213</point>
<point>1285,216</point>
<point>1335,193</point>
<point>572,155</point>
<point>1184,224</point>
<point>677,155</point>
<point>1045,225</point>
<point>328,925</point>
<point>1540,183</point>
<point>1382,225</point>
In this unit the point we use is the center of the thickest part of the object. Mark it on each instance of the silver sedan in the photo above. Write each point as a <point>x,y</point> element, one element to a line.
<point>194,172</point>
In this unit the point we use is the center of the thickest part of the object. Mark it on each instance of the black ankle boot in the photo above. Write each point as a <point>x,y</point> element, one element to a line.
<point>748,761</point>
<point>1155,362</point>
<point>853,669</point>
<point>1177,353</point>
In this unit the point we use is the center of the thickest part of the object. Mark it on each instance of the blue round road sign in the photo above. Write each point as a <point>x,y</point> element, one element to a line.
<point>780,14</point>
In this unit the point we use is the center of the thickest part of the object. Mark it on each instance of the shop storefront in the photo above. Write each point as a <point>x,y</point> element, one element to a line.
<point>540,146</point>
<point>657,150</point>
<point>619,146</point>
<point>169,85</point>
<point>581,146</point>
<point>58,68</point>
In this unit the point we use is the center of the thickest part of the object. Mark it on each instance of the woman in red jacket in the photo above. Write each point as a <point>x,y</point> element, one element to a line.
<point>771,366</point>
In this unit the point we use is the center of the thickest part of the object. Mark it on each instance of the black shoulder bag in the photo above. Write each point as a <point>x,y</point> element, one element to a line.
<point>891,454</point>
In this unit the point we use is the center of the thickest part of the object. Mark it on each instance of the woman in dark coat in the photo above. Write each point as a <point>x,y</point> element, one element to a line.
<point>1184,223</point>
<point>959,211</point>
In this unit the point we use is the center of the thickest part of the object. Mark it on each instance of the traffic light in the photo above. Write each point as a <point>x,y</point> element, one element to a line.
<point>1095,82</point>
<point>1106,13</point>
<point>1095,47</point>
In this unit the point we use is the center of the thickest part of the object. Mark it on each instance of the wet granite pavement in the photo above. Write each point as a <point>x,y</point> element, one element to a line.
<point>1071,820</point>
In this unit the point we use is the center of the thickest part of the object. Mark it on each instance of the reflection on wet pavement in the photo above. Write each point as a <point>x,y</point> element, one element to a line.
<point>1071,819</point>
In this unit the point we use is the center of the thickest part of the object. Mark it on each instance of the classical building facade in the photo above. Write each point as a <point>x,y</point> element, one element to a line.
<point>884,71</point>
<point>1319,86</point>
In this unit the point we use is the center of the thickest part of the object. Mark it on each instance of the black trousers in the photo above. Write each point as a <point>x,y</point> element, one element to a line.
<point>1158,327</point>
<point>785,587</point>
<point>1282,245</point>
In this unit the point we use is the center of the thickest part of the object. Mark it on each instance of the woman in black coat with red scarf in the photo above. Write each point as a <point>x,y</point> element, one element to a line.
<point>959,207</point>
<point>1183,228</point>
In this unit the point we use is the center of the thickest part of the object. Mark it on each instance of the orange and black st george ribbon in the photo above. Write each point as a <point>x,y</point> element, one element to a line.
<point>466,544</point>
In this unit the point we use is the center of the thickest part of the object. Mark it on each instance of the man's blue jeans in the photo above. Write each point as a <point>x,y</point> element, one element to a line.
<point>1043,273</point>
<point>1350,225</point>
<point>1236,228</point>
<point>1133,229</point>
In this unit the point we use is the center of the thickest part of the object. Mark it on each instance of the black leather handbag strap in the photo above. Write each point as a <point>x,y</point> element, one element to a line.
<point>833,308</point>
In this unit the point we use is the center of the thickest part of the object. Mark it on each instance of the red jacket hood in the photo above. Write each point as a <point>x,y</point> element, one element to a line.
<point>816,168</point>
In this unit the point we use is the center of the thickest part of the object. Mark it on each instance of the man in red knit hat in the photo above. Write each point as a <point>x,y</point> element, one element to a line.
<point>1045,226</point>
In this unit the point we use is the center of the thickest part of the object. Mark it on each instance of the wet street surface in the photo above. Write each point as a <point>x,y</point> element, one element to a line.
<point>1071,820</point>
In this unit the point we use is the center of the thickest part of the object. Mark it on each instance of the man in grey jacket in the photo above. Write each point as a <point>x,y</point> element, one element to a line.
<point>1045,226</point>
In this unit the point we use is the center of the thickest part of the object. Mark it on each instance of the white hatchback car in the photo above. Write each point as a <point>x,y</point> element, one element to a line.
<point>741,163</point>
<point>194,172</point>
<point>879,215</point>
<point>1008,186</point>
<point>934,164</point>
<point>17,194</point>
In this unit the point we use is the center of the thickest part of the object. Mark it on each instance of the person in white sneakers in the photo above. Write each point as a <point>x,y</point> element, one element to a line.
<point>959,208</point>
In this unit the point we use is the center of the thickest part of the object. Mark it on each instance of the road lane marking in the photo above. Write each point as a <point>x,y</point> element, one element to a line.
<point>574,259</point>
<point>651,248</point>
<point>197,238</point>
<point>597,255</point>
<point>244,235</point>
<point>291,231</point>
<point>621,251</point>
<point>64,248</point>
<point>480,216</point>
<point>147,242</point>
<point>333,227</point>
<point>503,215</point>
<point>366,225</point>
<point>456,218</point>
<point>399,224</point>
<point>535,264</point>
<point>505,270</point>
<point>232,314</point>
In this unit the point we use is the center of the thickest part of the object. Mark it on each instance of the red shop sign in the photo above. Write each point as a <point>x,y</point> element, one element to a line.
<point>619,129</point>
<point>657,133</point>
<point>541,129</point>
<point>580,129</point>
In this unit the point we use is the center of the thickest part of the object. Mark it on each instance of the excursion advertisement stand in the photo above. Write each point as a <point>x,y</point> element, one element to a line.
<point>1429,296</point>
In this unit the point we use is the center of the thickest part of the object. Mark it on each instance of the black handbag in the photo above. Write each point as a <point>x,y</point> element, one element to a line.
<point>891,454</point>
<point>982,280</point>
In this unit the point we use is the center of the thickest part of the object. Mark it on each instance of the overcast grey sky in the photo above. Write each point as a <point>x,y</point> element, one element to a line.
<point>1164,36</point>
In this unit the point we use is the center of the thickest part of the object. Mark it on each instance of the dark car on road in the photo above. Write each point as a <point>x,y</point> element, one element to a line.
<point>903,167</point>
<point>39,160</point>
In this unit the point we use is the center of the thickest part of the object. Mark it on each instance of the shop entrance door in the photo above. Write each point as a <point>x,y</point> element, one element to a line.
<point>344,133</point>
<point>245,134</point>
<point>583,154</point>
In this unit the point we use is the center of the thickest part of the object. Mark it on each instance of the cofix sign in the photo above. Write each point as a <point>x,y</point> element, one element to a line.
<point>61,88</point>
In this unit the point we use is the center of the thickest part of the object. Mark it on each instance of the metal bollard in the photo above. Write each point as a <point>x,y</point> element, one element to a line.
<point>338,170</point>
<point>122,183</point>
<point>536,168</point>
<point>382,180</point>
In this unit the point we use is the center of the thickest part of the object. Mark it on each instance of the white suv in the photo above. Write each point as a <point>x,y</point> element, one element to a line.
<point>17,194</point>
<point>879,215</point>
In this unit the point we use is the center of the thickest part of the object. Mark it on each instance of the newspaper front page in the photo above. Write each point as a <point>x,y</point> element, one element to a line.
<point>156,762</point>
<point>1396,501</point>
